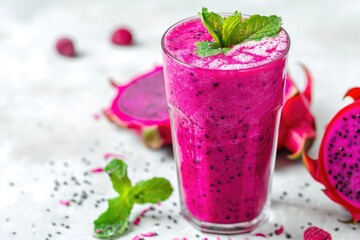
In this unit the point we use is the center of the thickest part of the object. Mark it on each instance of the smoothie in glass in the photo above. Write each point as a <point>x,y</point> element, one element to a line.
<point>224,112</point>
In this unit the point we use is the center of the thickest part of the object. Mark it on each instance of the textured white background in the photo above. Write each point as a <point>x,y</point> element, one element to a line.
<point>47,103</point>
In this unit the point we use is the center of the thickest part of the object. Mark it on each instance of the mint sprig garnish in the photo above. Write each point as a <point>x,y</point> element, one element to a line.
<point>257,27</point>
<point>205,49</point>
<point>114,220</point>
<point>231,30</point>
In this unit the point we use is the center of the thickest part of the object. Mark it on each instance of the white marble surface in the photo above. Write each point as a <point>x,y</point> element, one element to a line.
<point>47,103</point>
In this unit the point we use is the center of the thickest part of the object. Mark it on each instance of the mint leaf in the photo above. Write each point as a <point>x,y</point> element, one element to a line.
<point>205,49</point>
<point>114,220</point>
<point>117,171</point>
<point>231,30</point>
<point>151,191</point>
<point>257,27</point>
<point>213,23</point>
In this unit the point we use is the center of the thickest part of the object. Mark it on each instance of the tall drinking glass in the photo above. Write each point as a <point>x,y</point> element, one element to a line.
<point>224,113</point>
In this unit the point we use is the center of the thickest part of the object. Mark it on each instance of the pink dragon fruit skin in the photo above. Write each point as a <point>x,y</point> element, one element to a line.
<point>338,166</point>
<point>141,105</point>
<point>297,124</point>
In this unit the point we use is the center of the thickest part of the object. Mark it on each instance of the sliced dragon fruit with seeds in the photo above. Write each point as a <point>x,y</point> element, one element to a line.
<point>338,165</point>
<point>141,105</point>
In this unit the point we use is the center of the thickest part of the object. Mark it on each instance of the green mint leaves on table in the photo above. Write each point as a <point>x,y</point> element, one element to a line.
<point>114,220</point>
<point>231,30</point>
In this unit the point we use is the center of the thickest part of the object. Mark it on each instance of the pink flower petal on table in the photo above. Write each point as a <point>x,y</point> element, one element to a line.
<point>136,238</point>
<point>149,234</point>
<point>146,210</point>
<point>137,221</point>
<point>65,202</point>
<point>279,230</point>
<point>260,235</point>
<point>97,170</point>
<point>96,117</point>
<point>218,238</point>
<point>113,155</point>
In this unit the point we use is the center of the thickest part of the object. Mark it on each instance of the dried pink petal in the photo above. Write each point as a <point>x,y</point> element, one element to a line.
<point>113,155</point>
<point>97,170</point>
<point>146,210</point>
<point>65,202</point>
<point>279,230</point>
<point>136,238</point>
<point>149,234</point>
<point>137,221</point>
<point>96,117</point>
<point>260,235</point>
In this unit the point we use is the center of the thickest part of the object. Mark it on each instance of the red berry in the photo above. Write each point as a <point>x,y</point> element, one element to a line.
<point>65,46</point>
<point>122,36</point>
<point>315,233</point>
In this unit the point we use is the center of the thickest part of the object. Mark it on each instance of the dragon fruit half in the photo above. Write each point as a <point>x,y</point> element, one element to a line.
<point>297,124</point>
<point>338,166</point>
<point>316,233</point>
<point>141,105</point>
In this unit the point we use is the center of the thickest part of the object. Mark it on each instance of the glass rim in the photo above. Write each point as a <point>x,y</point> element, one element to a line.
<point>167,53</point>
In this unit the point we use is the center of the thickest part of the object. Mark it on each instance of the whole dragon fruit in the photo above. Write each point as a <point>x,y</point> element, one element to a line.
<point>297,124</point>
<point>141,105</point>
<point>338,166</point>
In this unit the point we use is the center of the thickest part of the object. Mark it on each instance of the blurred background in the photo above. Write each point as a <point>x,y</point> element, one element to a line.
<point>48,103</point>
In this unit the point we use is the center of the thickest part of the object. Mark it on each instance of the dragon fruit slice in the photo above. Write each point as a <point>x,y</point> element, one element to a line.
<point>141,105</point>
<point>315,233</point>
<point>297,124</point>
<point>338,166</point>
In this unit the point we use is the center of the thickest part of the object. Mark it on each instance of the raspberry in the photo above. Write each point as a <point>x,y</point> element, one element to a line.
<point>122,36</point>
<point>65,46</point>
<point>315,233</point>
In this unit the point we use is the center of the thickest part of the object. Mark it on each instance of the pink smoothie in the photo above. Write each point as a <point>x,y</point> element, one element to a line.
<point>224,112</point>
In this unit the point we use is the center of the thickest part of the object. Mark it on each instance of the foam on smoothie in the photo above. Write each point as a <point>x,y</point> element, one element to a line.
<point>181,44</point>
